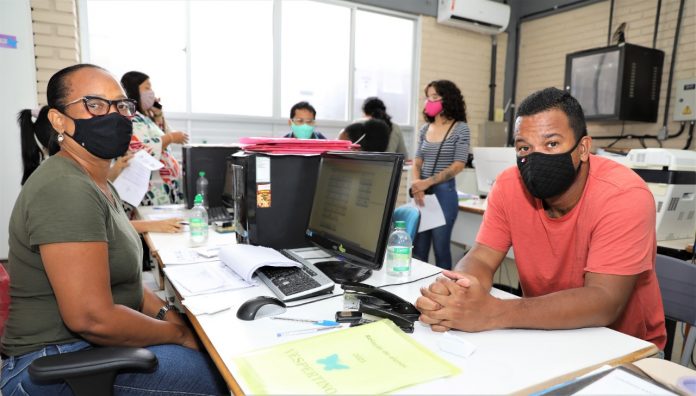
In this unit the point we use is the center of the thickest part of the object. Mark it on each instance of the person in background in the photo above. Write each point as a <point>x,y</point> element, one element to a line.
<point>38,142</point>
<point>371,135</point>
<point>583,231</point>
<point>374,108</point>
<point>151,133</point>
<point>301,122</point>
<point>69,238</point>
<point>443,148</point>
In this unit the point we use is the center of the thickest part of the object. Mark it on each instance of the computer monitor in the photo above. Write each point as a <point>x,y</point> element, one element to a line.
<point>352,210</point>
<point>489,162</point>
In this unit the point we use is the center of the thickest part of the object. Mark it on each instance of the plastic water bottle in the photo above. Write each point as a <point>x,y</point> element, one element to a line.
<point>198,222</point>
<point>202,188</point>
<point>399,251</point>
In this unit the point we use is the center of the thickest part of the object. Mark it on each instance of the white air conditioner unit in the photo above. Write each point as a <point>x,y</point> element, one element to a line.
<point>482,16</point>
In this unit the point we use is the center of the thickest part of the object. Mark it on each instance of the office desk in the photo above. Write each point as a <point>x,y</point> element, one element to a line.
<point>505,361</point>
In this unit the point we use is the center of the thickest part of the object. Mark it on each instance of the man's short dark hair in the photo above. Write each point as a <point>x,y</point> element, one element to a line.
<point>302,106</point>
<point>376,134</point>
<point>554,98</point>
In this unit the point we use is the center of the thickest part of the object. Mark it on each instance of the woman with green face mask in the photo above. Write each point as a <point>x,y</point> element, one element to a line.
<point>301,122</point>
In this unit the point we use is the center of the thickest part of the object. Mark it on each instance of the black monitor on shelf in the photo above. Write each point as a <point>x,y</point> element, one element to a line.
<point>619,82</point>
<point>352,209</point>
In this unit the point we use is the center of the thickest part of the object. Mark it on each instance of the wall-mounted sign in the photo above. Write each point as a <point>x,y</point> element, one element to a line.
<point>7,41</point>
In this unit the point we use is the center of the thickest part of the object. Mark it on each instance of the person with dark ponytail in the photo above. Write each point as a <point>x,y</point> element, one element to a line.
<point>38,143</point>
<point>374,108</point>
<point>75,263</point>
<point>151,133</point>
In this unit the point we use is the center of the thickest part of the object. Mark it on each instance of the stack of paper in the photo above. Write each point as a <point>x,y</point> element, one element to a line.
<point>204,278</point>
<point>246,259</point>
<point>134,180</point>
<point>295,146</point>
<point>370,359</point>
<point>184,256</point>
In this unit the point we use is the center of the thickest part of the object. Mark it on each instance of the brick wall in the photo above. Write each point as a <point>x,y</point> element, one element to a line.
<point>464,57</point>
<point>545,42</point>
<point>56,43</point>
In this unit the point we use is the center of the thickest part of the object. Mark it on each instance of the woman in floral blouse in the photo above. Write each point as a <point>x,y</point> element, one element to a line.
<point>151,133</point>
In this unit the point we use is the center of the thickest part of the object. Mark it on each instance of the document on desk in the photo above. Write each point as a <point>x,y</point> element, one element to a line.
<point>183,256</point>
<point>372,359</point>
<point>204,278</point>
<point>431,215</point>
<point>134,180</point>
<point>246,259</point>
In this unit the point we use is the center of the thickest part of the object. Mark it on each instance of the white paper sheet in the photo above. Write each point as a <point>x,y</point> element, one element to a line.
<point>134,180</point>
<point>619,382</point>
<point>183,256</point>
<point>246,259</point>
<point>204,278</point>
<point>431,214</point>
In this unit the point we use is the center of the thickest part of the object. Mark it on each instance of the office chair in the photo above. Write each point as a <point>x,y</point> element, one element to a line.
<point>677,279</point>
<point>87,372</point>
<point>411,215</point>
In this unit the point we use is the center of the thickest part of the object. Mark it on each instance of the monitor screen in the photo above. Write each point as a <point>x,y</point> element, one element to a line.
<point>489,162</point>
<point>594,81</point>
<point>353,204</point>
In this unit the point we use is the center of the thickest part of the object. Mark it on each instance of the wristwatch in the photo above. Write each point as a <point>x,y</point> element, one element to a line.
<point>163,312</point>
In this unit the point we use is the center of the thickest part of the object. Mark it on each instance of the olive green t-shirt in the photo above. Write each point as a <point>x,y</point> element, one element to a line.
<point>60,203</point>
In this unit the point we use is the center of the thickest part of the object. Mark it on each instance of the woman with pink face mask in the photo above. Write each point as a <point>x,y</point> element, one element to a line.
<point>151,133</point>
<point>441,153</point>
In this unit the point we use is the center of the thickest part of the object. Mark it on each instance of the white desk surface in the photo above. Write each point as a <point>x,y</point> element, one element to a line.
<point>505,361</point>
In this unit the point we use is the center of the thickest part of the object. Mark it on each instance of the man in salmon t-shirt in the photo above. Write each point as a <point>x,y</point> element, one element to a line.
<point>582,228</point>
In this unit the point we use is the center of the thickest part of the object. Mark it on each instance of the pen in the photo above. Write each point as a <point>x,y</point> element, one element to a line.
<point>316,322</point>
<point>305,331</point>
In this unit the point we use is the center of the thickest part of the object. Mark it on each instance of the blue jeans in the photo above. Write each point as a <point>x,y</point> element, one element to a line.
<point>180,371</point>
<point>440,237</point>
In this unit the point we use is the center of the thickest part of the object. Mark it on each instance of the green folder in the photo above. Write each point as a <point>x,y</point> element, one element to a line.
<point>368,359</point>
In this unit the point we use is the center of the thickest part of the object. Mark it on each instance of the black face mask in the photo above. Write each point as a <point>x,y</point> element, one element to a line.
<point>106,136</point>
<point>548,175</point>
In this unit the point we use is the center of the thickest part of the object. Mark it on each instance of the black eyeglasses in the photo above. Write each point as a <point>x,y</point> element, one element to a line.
<point>97,106</point>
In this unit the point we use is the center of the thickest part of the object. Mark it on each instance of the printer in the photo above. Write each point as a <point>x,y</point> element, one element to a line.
<point>671,176</point>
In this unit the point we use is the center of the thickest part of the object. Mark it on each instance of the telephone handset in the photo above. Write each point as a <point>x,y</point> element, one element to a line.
<point>381,303</point>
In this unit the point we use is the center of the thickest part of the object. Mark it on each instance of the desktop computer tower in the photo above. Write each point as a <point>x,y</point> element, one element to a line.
<point>277,198</point>
<point>210,159</point>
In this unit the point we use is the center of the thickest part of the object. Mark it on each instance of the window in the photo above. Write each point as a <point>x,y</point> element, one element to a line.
<point>150,40</point>
<point>384,63</point>
<point>257,58</point>
<point>232,57</point>
<point>315,57</point>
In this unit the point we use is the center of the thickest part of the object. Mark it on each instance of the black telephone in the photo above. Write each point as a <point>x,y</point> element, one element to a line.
<point>381,303</point>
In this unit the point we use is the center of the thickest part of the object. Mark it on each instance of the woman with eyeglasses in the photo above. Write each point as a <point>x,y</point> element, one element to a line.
<point>151,133</point>
<point>38,142</point>
<point>443,147</point>
<point>75,261</point>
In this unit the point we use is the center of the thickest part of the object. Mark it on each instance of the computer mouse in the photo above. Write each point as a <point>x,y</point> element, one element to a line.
<point>260,307</point>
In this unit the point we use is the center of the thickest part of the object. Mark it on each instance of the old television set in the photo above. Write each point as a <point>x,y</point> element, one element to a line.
<point>352,210</point>
<point>620,82</point>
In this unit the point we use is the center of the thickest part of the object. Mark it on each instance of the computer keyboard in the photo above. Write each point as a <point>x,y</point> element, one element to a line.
<point>294,283</point>
<point>219,213</point>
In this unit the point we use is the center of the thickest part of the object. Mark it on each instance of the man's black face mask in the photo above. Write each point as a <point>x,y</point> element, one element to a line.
<point>548,175</point>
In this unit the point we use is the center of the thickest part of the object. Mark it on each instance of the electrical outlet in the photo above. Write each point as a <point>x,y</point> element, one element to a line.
<point>685,101</point>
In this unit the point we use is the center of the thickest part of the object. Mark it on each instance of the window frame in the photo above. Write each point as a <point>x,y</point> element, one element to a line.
<point>278,116</point>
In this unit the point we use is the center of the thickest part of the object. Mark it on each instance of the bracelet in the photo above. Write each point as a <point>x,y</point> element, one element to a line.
<point>163,312</point>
